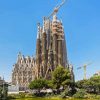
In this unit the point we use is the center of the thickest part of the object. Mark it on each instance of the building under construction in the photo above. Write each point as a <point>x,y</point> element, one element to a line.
<point>50,52</point>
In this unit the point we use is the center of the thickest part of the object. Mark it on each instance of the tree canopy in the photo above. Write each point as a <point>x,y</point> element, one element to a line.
<point>61,77</point>
<point>38,84</point>
<point>91,85</point>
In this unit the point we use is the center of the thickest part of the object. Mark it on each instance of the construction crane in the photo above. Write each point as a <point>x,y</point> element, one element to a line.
<point>56,9</point>
<point>84,68</point>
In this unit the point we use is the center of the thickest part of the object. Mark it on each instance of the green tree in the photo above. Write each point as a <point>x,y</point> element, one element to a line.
<point>38,84</point>
<point>0,92</point>
<point>94,84</point>
<point>81,84</point>
<point>80,94</point>
<point>91,85</point>
<point>61,77</point>
<point>49,84</point>
<point>3,91</point>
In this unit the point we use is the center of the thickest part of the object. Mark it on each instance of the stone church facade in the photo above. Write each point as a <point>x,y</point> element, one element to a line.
<point>22,73</point>
<point>50,53</point>
<point>51,47</point>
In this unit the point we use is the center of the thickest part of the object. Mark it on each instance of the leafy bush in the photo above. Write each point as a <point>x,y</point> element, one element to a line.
<point>80,94</point>
<point>65,93</point>
<point>91,85</point>
<point>38,84</point>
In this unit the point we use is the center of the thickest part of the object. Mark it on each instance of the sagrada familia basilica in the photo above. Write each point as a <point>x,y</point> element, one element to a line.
<point>50,53</point>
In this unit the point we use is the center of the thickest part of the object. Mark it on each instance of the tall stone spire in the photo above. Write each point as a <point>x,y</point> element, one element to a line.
<point>19,57</point>
<point>38,51</point>
<point>65,60</point>
<point>44,24</point>
<point>54,18</point>
<point>43,49</point>
<point>38,30</point>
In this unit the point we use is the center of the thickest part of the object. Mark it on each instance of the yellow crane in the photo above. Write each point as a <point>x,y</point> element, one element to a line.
<point>56,9</point>
<point>84,68</point>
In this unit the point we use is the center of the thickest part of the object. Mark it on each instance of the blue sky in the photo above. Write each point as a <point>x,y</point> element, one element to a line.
<point>18,28</point>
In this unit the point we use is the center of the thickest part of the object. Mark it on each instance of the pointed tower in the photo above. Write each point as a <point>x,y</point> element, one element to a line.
<point>55,45</point>
<point>19,57</point>
<point>44,50</point>
<point>38,51</point>
<point>60,43</point>
<point>65,61</point>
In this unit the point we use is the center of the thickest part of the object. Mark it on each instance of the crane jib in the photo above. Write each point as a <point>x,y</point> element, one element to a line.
<point>56,9</point>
